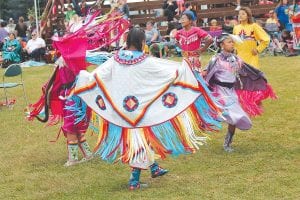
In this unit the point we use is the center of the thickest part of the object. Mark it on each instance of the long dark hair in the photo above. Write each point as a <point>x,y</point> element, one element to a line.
<point>47,96</point>
<point>249,14</point>
<point>135,38</point>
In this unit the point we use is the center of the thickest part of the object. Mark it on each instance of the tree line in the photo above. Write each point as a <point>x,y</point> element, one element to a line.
<point>16,8</point>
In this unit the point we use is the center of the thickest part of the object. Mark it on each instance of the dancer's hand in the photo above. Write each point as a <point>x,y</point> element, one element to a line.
<point>254,52</point>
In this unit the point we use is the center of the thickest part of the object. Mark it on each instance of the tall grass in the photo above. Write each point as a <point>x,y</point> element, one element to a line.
<point>265,164</point>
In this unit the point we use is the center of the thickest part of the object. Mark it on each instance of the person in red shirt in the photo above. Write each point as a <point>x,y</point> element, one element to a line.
<point>190,38</point>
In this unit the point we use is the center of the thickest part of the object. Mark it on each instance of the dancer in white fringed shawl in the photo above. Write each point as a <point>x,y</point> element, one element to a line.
<point>146,108</point>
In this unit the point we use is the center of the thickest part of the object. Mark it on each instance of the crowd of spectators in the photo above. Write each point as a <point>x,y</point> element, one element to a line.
<point>76,14</point>
<point>18,41</point>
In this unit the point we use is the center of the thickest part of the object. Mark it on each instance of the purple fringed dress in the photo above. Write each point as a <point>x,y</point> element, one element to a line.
<point>222,74</point>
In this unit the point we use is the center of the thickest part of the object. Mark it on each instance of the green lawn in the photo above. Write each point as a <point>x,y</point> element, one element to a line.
<point>265,164</point>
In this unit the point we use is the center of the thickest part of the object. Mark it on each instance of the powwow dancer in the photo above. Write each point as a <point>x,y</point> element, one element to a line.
<point>189,39</point>
<point>239,87</point>
<point>53,101</point>
<point>146,108</point>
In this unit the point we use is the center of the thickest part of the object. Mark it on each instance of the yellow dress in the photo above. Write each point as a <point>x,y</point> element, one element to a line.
<point>253,36</point>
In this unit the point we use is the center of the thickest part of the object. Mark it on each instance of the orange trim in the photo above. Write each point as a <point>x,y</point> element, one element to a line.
<point>176,124</point>
<point>103,135</point>
<point>100,84</point>
<point>155,143</point>
<point>203,92</point>
<point>85,88</point>
<point>125,157</point>
<point>185,85</point>
<point>188,62</point>
<point>140,116</point>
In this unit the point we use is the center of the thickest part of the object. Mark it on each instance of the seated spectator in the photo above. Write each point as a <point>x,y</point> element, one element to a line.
<point>227,27</point>
<point>36,47</point>
<point>157,50</point>
<point>31,24</point>
<point>124,8</point>
<point>287,38</point>
<point>23,49</point>
<point>272,24</point>
<point>83,8</point>
<point>3,33</point>
<point>21,29</point>
<point>10,28</point>
<point>152,34</point>
<point>238,5</point>
<point>75,23</point>
<point>265,2</point>
<point>70,12</point>
<point>214,25</point>
<point>11,50</point>
<point>170,42</point>
<point>170,7</point>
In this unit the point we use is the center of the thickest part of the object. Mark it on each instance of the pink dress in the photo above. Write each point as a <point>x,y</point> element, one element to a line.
<point>190,42</point>
<point>70,124</point>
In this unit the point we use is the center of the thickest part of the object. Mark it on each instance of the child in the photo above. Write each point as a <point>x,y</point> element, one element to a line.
<point>70,12</point>
<point>189,39</point>
<point>56,106</point>
<point>157,50</point>
<point>226,75</point>
<point>214,25</point>
<point>146,108</point>
<point>54,99</point>
<point>188,7</point>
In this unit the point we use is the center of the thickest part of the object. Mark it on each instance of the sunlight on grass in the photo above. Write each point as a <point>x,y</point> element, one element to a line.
<point>265,164</point>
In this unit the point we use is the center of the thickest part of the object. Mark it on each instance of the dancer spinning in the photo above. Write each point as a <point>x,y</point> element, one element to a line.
<point>190,38</point>
<point>146,108</point>
<point>54,102</point>
<point>54,99</point>
<point>239,87</point>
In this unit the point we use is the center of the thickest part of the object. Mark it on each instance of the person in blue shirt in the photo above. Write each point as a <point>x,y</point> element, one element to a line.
<point>282,13</point>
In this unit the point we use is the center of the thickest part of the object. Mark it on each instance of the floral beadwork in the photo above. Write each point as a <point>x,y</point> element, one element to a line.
<point>129,57</point>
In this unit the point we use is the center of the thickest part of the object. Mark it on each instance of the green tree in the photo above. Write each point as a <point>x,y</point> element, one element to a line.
<point>17,8</point>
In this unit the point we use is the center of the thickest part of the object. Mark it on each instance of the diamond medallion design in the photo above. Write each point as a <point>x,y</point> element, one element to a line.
<point>100,102</point>
<point>130,103</point>
<point>169,100</point>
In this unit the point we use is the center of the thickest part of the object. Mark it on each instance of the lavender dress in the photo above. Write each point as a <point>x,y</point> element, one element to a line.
<point>222,73</point>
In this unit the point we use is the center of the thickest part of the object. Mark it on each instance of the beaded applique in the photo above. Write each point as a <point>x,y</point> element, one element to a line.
<point>129,57</point>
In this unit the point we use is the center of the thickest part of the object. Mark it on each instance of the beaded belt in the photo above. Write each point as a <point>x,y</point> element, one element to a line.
<point>190,54</point>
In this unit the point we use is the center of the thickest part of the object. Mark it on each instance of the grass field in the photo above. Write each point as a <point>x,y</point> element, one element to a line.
<point>265,164</point>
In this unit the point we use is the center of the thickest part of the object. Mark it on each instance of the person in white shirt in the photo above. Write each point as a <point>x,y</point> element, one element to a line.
<point>36,47</point>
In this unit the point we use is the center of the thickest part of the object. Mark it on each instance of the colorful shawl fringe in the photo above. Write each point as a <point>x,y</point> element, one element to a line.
<point>182,134</point>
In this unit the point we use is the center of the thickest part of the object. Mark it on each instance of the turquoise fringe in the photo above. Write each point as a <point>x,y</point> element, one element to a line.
<point>79,109</point>
<point>202,106</point>
<point>110,147</point>
<point>168,137</point>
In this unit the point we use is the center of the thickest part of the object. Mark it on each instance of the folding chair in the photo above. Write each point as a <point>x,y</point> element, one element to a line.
<point>12,71</point>
<point>214,46</point>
